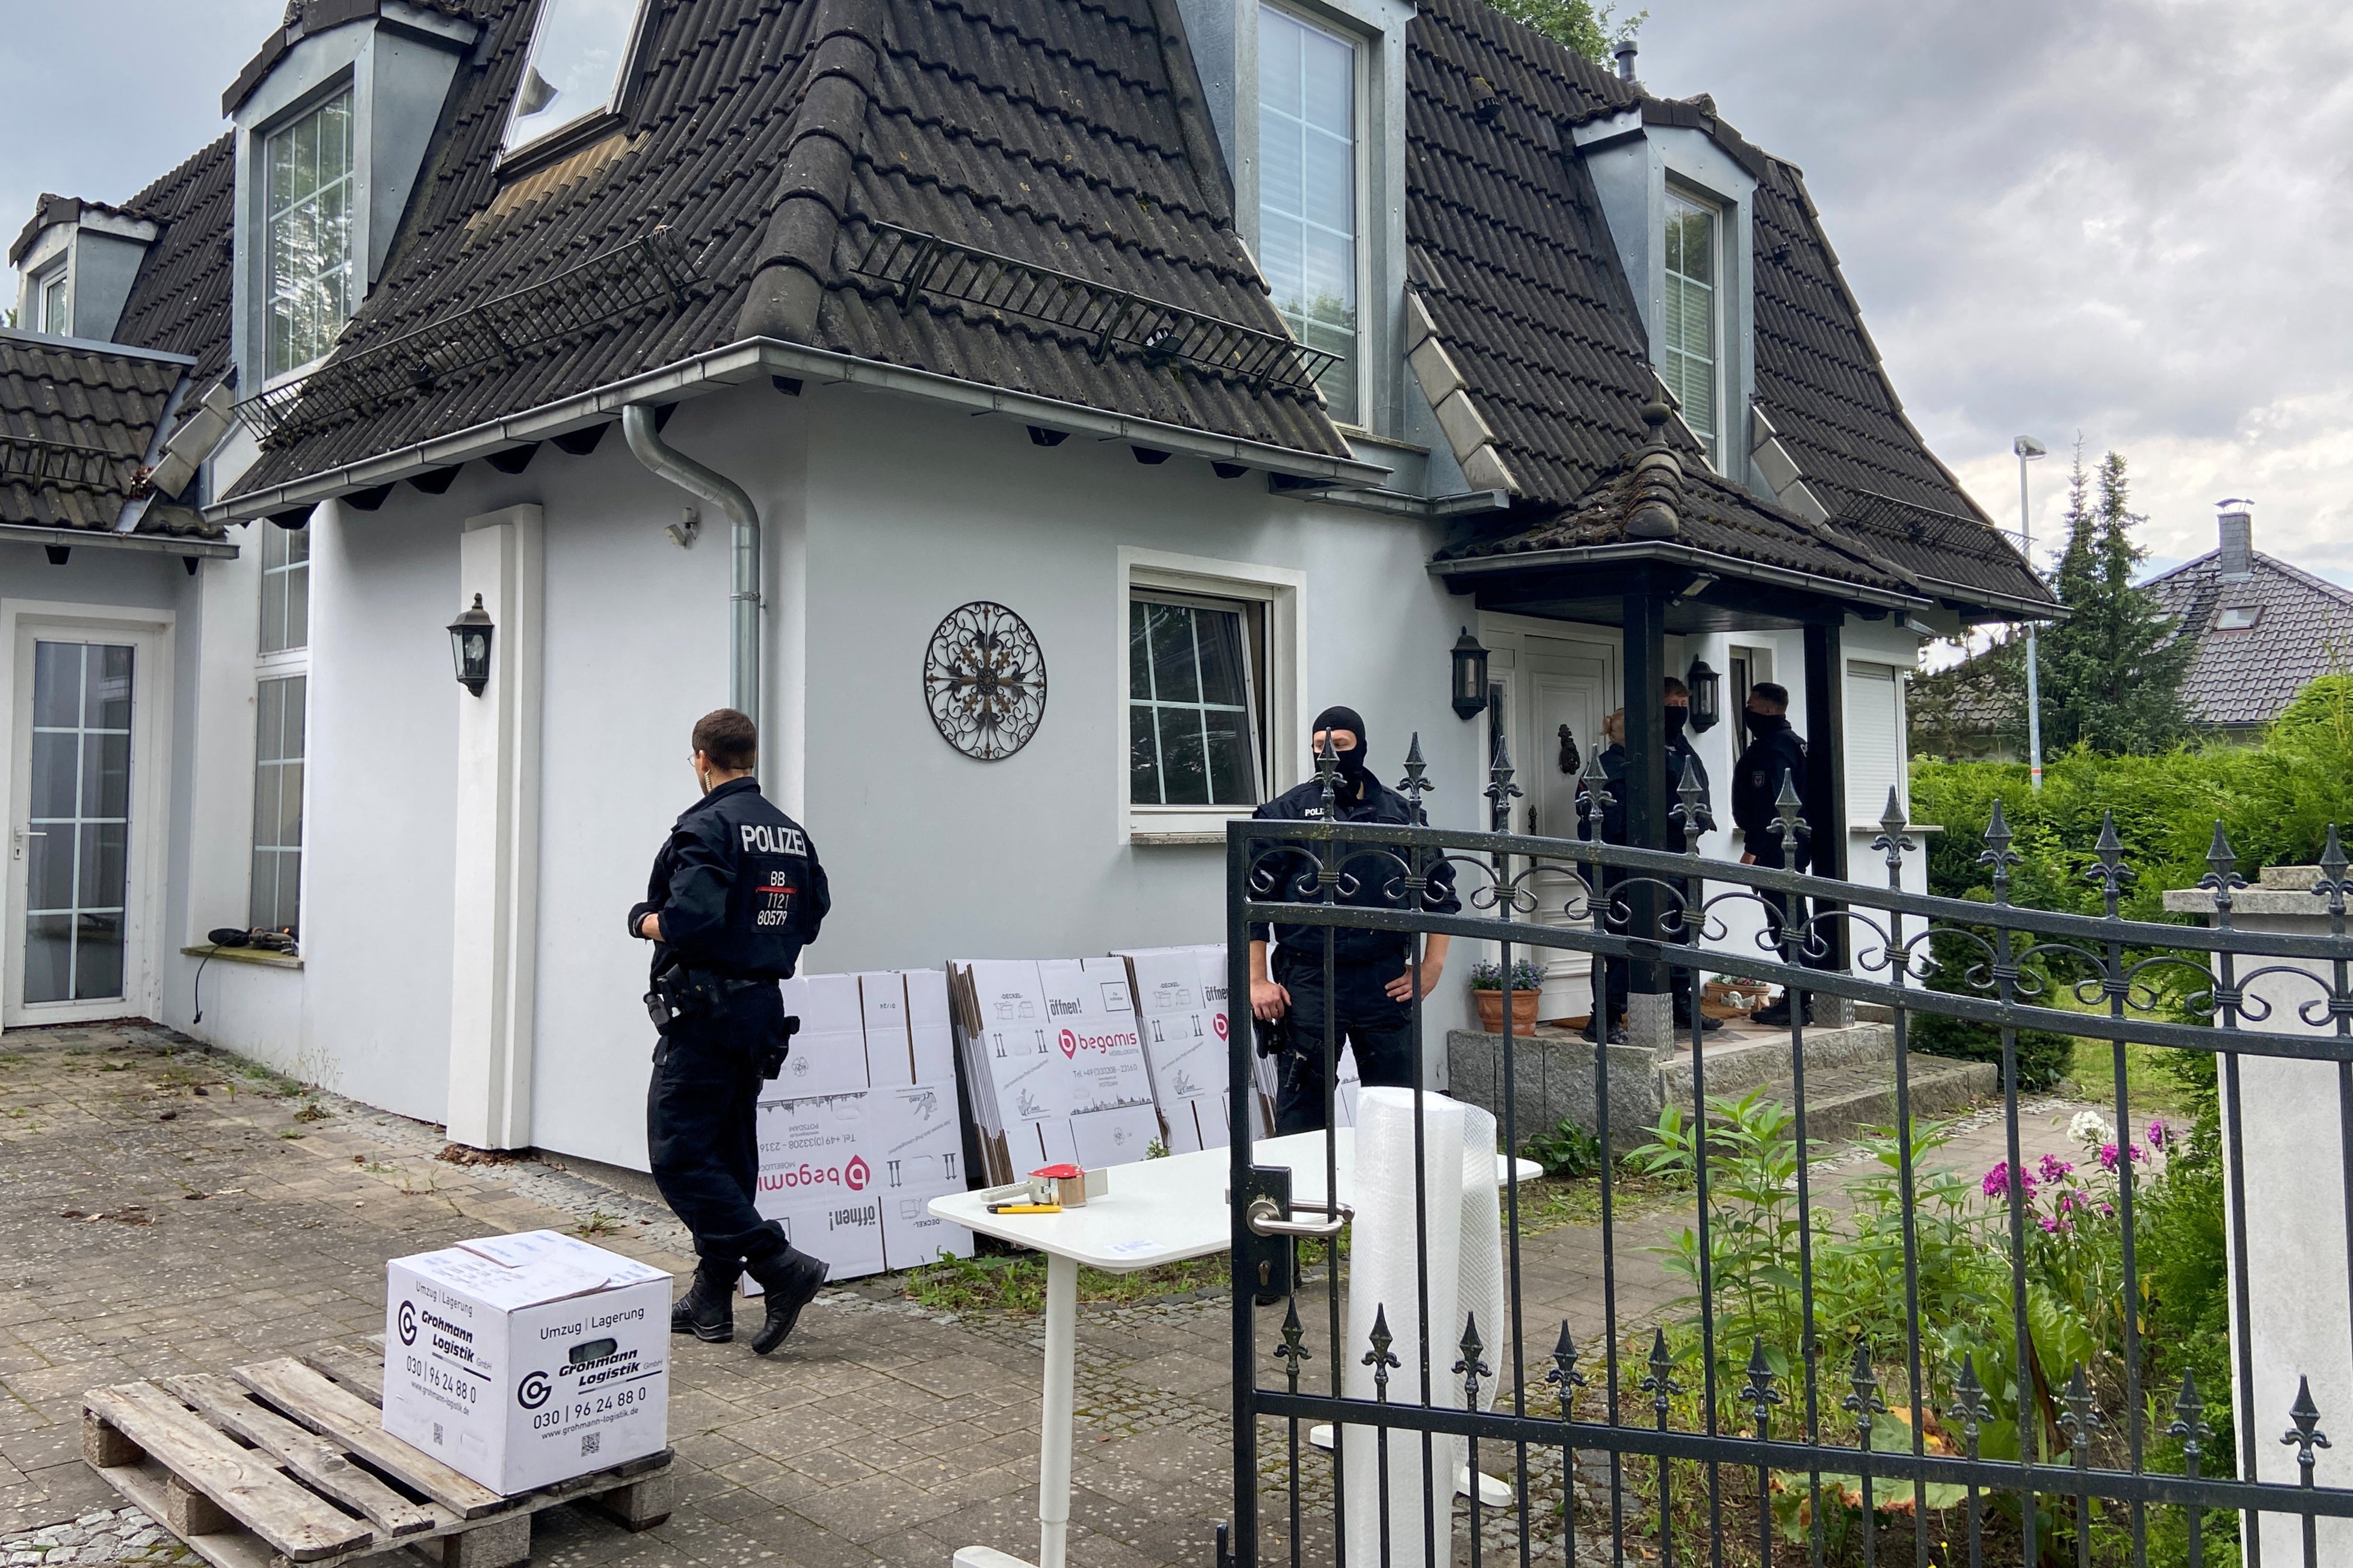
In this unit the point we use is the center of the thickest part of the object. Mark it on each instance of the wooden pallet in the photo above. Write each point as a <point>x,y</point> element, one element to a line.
<point>286,1462</point>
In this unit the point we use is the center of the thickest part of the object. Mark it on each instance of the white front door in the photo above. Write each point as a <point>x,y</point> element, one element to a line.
<point>85,759</point>
<point>1567,686</point>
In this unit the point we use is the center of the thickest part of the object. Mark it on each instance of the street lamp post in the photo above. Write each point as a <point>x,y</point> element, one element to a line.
<point>2028,448</point>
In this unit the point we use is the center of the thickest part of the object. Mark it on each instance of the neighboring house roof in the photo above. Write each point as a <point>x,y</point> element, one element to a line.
<point>2303,629</point>
<point>182,301</point>
<point>1512,260</point>
<point>77,424</point>
<point>767,138</point>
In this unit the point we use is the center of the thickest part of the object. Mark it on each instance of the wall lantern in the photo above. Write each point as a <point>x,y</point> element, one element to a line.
<point>470,645</point>
<point>1706,695</point>
<point>1469,676</point>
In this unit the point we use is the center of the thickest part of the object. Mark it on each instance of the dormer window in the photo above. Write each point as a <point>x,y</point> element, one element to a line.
<point>1687,326</point>
<point>1307,171</point>
<point>57,304</point>
<point>578,53</point>
<point>307,215</point>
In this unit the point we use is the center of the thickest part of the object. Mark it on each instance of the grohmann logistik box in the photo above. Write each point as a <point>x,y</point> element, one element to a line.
<point>526,1360</point>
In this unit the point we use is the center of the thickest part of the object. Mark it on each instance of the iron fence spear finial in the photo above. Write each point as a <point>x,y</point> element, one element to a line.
<point>1969,1403</point>
<point>1891,842</point>
<point>2189,1424</point>
<point>1689,814</point>
<point>1998,853</point>
<point>1328,774</point>
<point>1471,1368</point>
<point>1380,1358</point>
<point>1789,806</point>
<point>2306,1434</point>
<point>2111,874</point>
<point>1292,1352</point>
<point>1414,785</point>
<point>1501,791</point>
<point>1595,795</point>
<point>2333,885</point>
<point>1564,1375</point>
<point>1865,1402</point>
<point>2222,877</point>
<point>1760,1394</point>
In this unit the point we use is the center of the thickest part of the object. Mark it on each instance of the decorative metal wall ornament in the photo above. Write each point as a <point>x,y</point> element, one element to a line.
<point>985,680</point>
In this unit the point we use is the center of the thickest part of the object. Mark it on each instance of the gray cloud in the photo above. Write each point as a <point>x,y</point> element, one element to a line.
<point>2117,217</point>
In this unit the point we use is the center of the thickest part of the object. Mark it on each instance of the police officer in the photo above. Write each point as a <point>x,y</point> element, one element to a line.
<point>735,893</point>
<point>1675,714</point>
<point>1375,978</point>
<point>1776,755</point>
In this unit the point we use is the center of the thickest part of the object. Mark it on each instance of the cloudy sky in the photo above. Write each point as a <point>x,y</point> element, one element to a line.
<point>2102,217</point>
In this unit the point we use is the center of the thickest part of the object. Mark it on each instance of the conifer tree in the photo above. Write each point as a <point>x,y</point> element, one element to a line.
<point>2112,671</point>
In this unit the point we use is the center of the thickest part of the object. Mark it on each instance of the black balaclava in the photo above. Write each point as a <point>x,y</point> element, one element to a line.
<point>1677,717</point>
<point>1763,724</point>
<point>1352,761</point>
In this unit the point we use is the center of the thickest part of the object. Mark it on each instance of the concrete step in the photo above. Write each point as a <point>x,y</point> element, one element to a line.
<point>1738,1057</point>
<point>1844,1098</point>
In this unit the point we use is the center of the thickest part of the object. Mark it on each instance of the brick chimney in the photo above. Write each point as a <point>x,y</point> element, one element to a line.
<point>2238,553</point>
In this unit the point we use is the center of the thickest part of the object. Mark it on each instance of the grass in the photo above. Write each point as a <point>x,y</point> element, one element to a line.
<point>1017,1283</point>
<point>1552,1202</point>
<point>2150,1088</point>
<point>599,1223</point>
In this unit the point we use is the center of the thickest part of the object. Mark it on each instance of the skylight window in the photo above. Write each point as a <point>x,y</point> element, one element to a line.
<point>578,52</point>
<point>2238,618</point>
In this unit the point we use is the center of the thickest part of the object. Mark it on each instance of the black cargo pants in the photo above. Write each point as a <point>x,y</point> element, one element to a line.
<point>702,1134</point>
<point>1363,1014</point>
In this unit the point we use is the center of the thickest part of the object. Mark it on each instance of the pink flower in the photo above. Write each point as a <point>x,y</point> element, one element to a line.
<point>2160,1134</point>
<point>2049,1224</point>
<point>2137,1155</point>
<point>2108,1211</point>
<point>1997,1182</point>
<point>2053,1168</point>
<point>2107,1156</point>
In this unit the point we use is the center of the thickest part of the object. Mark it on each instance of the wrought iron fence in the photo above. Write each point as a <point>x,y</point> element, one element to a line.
<point>1891,1366</point>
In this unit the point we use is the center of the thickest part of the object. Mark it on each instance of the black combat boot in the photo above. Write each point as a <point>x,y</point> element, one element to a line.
<point>706,1310</point>
<point>791,1280</point>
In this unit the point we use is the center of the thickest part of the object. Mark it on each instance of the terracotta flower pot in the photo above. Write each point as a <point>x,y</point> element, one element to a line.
<point>1491,1009</point>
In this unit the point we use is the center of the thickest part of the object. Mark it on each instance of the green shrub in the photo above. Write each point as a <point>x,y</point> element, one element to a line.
<point>2043,1058</point>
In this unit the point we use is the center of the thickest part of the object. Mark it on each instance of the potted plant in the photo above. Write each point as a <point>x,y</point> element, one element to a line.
<point>1487,990</point>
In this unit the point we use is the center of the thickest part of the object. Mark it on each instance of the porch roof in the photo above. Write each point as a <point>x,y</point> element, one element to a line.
<point>78,426</point>
<point>1734,561</point>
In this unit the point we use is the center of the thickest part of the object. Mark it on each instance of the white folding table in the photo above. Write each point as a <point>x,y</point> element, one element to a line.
<point>1157,1211</point>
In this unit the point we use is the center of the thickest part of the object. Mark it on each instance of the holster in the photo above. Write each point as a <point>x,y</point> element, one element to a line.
<point>1272,1036</point>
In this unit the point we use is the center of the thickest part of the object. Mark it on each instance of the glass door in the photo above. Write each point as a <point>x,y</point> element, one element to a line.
<point>72,833</point>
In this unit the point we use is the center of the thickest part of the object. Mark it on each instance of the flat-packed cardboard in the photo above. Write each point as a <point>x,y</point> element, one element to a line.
<point>1090,1024</point>
<point>919,1147</point>
<point>828,1054</point>
<point>521,1361</point>
<point>818,1177</point>
<point>932,1033</point>
<point>883,999</point>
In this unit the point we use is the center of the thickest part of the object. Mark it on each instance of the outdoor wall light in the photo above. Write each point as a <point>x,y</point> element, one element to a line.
<point>1706,695</point>
<point>1469,676</point>
<point>470,645</point>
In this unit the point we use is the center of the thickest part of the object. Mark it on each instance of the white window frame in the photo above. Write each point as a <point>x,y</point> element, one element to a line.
<point>561,133</point>
<point>344,86</point>
<point>280,665</point>
<point>1361,48</point>
<point>60,275</point>
<point>1282,593</point>
<point>1716,443</point>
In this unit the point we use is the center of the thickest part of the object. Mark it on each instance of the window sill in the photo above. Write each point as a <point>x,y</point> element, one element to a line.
<point>1174,826</point>
<point>262,956</point>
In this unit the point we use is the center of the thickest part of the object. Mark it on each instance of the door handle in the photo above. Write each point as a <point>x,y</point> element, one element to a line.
<point>1265,1217</point>
<point>23,834</point>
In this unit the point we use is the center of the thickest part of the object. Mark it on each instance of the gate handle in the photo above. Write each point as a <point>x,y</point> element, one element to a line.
<point>1265,1219</point>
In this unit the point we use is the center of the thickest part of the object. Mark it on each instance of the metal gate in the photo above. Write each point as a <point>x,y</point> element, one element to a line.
<point>1963,1403</point>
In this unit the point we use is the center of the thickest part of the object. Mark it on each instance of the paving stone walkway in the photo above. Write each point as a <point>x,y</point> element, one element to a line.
<point>164,1209</point>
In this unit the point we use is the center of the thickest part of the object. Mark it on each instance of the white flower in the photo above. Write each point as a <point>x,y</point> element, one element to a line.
<point>2090,1129</point>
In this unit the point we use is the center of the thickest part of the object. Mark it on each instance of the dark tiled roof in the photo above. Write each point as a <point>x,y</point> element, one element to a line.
<point>2304,629</point>
<point>82,419</point>
<point>1820,382</point>
<point>307,16</point>
<point>1512,258</point>
<point>1712,514</point>
<point>180,302</point>
<point>1510,252</point>
<point>54,209</point>
<point>766,134</point>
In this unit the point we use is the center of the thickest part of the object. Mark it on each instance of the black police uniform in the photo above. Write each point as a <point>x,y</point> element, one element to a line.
<point>740,892</point>
<point>1776,756</point>
<point>1615,764</point>
<point>1358,1005</point>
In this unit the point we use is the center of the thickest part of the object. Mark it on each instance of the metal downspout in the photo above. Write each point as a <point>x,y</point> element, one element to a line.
<point>716,489</point>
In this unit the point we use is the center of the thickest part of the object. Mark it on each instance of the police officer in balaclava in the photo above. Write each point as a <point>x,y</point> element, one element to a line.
<point>1368,994</point>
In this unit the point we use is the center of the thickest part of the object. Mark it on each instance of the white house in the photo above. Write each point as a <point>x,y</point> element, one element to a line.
<point>1197,362</point>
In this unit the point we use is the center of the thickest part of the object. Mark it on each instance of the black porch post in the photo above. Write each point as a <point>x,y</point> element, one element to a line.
<point>1826,777</point>
<point>1648,1013</point>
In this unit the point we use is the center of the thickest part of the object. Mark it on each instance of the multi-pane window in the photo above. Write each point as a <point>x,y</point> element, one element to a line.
<point>78,878</point>
<point>285,588</point>
<point>57,304</point>
<point>1193,733</point>
<point>1687,324</point>
<point>307,218</point>
<point>1307,189</point>
<point>278,804</point>
<point>577,53</point>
